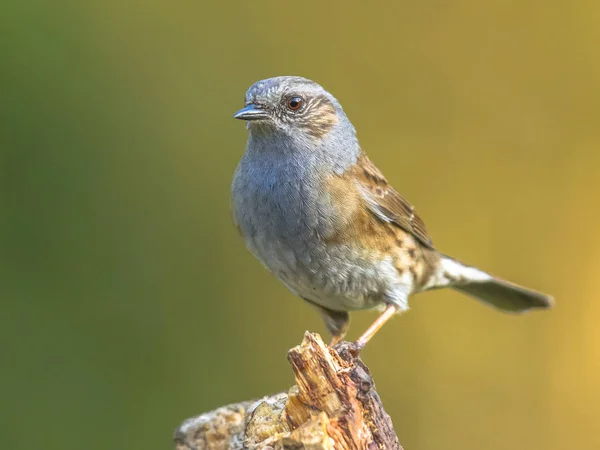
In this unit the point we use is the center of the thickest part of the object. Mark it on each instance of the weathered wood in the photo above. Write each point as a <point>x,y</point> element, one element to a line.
<point>333,406</point>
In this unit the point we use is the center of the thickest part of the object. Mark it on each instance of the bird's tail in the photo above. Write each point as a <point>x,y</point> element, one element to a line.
<point>494,291</point>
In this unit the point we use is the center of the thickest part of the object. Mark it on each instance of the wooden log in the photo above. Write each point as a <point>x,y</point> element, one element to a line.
<point>333,406</point>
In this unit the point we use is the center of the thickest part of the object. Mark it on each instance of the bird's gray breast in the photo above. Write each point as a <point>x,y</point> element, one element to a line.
<point>285,217</point>
<point>275,205</point>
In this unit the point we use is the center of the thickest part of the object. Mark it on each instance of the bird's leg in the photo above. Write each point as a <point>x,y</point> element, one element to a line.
<point>337,322</point>
<point>335,340</point>
<point>375,326</point>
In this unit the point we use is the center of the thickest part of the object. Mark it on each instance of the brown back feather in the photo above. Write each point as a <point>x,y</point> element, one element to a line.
<point>386,203</point>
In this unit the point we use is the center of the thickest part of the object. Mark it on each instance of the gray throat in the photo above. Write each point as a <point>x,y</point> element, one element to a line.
<point>334,152</point>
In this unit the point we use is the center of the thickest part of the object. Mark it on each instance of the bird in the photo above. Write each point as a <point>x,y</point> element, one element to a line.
<point>320,216</point>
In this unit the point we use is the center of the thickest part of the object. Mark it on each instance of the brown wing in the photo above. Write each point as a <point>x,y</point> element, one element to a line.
<point>386,203</point>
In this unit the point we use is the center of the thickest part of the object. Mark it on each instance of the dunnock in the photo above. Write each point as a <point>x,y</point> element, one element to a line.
<point>320,216</point>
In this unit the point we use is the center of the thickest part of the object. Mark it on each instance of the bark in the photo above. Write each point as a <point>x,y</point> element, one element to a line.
<point>333,406</point>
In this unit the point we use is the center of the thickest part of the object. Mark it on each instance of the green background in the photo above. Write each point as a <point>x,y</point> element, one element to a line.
<point>128,301</point>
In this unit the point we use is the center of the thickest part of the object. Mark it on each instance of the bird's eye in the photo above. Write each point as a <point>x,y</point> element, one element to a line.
<point>295,103</point>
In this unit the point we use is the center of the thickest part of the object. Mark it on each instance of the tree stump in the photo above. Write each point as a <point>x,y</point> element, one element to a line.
<point>333,406</point>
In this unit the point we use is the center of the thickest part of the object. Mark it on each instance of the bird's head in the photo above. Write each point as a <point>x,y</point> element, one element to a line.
<point>291,105</point>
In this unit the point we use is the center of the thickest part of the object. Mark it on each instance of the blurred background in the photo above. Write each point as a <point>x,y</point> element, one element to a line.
<point>128,301</point>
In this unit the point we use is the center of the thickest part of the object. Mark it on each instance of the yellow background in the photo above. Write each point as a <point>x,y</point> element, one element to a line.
<point>128,301</point>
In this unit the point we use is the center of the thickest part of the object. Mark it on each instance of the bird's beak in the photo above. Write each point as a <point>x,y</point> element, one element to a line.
<point>251,112</point>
